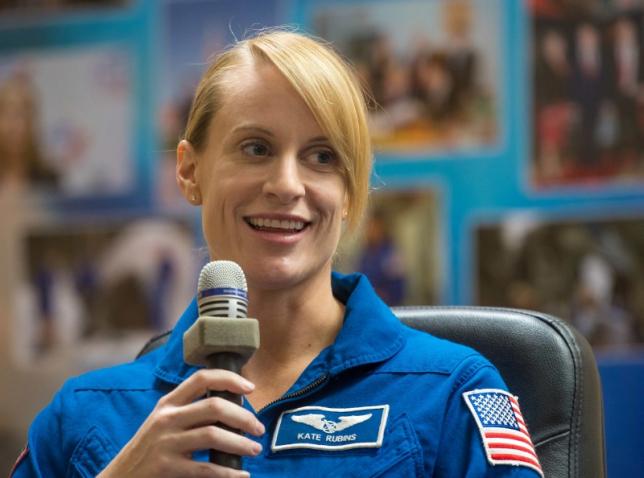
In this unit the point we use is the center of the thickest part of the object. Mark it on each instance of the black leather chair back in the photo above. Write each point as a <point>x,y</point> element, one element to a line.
<point>548,365</point>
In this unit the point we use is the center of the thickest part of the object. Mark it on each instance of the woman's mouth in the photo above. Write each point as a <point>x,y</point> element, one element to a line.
<point>284,226</point>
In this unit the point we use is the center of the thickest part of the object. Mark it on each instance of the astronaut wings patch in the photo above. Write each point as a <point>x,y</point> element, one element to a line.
<point>503,430</point>
<point>330,429</point>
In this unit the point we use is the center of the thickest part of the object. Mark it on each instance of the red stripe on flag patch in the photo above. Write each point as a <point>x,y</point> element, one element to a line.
<point>502,427</point>
<point>513,446</point>
<point>507,457</point>
<point>509,436</point>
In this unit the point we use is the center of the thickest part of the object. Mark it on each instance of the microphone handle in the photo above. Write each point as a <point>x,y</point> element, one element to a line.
<point>233,362</point>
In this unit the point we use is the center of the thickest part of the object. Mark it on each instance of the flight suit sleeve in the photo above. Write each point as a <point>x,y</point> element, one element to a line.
<point>48,447</point>
<point>482,432</point>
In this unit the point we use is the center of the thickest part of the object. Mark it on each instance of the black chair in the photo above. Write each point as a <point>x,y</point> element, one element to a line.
<point>548,364</point>
<point>545,362</point>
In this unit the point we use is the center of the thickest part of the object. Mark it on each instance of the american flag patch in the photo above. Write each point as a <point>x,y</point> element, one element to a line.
<point>503,430</point>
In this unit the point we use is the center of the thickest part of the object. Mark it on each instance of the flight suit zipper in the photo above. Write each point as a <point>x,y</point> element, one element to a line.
<point>302,392</point>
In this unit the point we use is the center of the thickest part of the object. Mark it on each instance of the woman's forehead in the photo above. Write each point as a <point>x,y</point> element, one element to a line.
<point>248,82</point>
<point>262,96</point>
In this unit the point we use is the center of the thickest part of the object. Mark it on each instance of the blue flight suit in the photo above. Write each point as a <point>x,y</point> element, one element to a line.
<point>383,401</point>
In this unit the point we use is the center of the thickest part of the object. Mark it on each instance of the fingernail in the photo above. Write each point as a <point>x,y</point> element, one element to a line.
<point>257,448</point>
<point>244,474</point>
<point>259,428</point>
<point>248,385</point>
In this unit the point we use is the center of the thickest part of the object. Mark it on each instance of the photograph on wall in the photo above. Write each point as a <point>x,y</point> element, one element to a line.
<point>398,247</point>
<point>192,34</point>
<point>40,7</point>
<point>94,292</point>
<point>66,120</point>
<point>432,69</point>
<point>588,93</point>
<point>589,272</point>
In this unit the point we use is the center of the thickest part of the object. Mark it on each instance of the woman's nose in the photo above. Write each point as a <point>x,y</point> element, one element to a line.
<point>284,181</point>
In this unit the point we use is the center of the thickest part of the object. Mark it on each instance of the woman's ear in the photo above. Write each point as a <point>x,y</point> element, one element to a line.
<point>186,172</point>
<point>345,206</point>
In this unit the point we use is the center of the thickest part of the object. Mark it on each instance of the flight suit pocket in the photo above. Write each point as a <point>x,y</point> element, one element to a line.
<point>94,452</point>
<point>405,458</point>
<point>399,455</point>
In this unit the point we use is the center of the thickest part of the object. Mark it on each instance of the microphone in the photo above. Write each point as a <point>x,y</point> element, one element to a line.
<point>222,337</point>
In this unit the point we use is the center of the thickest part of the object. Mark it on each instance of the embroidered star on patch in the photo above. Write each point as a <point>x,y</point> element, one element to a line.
<point>503,430</point>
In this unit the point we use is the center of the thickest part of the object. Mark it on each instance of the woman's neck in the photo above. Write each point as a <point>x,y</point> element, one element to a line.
<point>295,325</point>
<point>303,317</point>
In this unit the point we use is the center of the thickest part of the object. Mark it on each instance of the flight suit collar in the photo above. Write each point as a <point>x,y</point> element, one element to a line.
<point>171,367</point>
<point>371,333</point>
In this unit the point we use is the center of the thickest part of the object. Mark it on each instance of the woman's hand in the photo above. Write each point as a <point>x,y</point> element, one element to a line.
<point>179,425</point>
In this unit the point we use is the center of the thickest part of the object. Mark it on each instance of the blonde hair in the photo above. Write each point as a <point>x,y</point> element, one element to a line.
<point>323,80</point>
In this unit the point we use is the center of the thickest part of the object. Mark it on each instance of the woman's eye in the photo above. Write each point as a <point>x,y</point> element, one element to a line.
<point>255,149</point>
<point>323,158</point>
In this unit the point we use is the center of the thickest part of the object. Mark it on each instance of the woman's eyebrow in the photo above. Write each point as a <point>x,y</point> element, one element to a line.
<point>251,128</point>
<point>259,129</point>
<point>319,139</point>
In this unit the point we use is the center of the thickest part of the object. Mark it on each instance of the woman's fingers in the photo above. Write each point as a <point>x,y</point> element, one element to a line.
<point>217,410</point>
<point>216,438</point>
<point>200,382</point>
<point>180,424</point>
<point>197,469</point>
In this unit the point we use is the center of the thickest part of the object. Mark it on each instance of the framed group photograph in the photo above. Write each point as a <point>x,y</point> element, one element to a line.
<point>587,93</point>
<point>586,270</point>
<point>431,68</point>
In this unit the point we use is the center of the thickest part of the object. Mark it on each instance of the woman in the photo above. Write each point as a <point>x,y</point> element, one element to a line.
<point>277,154</point>
<point>21,160</point>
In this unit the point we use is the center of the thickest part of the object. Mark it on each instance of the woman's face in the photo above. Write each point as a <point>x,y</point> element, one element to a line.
<point>273,197</point>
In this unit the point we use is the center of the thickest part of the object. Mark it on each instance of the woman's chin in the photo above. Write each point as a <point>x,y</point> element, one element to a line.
<point>279,275</point>
<point>272,278</point>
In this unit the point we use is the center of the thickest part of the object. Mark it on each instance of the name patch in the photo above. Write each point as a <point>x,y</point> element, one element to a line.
<point>322,428</point>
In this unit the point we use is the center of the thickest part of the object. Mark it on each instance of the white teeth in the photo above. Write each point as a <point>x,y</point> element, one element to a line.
<point>277,224</point>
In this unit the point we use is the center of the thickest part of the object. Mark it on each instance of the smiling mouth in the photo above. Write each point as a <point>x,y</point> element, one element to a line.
<point>276,225</point>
